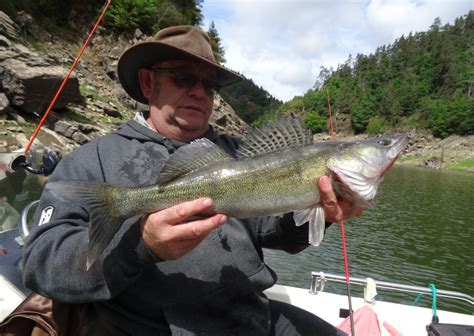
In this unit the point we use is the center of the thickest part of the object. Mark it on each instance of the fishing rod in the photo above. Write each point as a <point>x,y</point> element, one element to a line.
<point>343,237</point>
<point>51,159</point>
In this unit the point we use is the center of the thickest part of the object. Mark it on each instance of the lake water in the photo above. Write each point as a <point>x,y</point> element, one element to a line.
<point>419,231</point>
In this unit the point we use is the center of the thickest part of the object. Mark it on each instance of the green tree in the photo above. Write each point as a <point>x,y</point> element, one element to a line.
<point>128,15</point>
<point>364,108</point>
<point>216,43</point>
<point>191,10</point>
<point>250,101</point>
<point>423,79</point>
<point>315,122</point>
<point>376,125</point>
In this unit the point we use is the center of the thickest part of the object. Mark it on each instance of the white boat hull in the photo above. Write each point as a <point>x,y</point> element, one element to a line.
<point>408,320</point>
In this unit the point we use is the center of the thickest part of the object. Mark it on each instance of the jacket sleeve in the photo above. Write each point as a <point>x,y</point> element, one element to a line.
<point>54,256</point>
<point>281,233</point>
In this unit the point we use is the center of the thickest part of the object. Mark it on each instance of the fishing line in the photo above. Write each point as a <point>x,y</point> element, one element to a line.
<point>343,236</point>
<point>66,78</point>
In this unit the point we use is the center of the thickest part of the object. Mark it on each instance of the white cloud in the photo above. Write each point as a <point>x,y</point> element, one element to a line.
<point>281,44</point>
<point>391,19</point>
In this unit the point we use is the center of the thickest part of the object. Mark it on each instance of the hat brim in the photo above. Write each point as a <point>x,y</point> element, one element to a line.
<point>147,54</point>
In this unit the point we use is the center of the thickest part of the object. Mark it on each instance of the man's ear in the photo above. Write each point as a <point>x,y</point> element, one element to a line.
<point>145,76</point>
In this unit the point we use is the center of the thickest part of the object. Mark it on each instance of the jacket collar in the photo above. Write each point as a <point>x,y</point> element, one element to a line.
<point>135,130</point>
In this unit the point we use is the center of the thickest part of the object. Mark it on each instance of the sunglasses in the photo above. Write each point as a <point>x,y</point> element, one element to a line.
<point>186,80</point>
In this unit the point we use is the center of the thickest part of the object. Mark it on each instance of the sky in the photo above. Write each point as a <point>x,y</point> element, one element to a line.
<point>282,44</point>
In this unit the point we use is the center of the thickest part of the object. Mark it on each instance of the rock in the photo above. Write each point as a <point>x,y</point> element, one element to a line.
<point>86,128</point>
<point>138,34</point>
<point>14,129</point>
<point>22,141</point>
<point>107,109</point>
<point>225,120</point>
<point>72,131</point>
<point>80,138</point>
<point>4,104</point>
<point>126,100</point>
<point>62,127</point>
<point>53,139</point>
<point>5,42</point>
<point>111,69</point>
<point>31,88</point>
<point>8,27</point>
<point>434,163</point>
<point>28,26</point>
<point>18,118</point>
<point>7,123</point>
<point>27,79</point>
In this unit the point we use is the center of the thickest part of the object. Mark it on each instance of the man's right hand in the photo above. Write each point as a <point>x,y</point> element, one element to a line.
<point>167,234</point>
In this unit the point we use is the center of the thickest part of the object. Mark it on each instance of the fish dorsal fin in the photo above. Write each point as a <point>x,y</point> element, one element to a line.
<point>275,135</point>
<point>199,153</point>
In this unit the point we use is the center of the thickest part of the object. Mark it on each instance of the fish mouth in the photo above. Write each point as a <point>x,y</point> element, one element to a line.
<point>400,143</point>
<point>398,146</point>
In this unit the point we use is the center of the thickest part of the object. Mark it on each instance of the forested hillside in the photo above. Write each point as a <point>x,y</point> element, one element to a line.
<point>149,16</point>
<point>423,80</point>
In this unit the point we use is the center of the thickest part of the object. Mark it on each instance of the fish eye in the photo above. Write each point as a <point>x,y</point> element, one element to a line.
<point>384,142</point>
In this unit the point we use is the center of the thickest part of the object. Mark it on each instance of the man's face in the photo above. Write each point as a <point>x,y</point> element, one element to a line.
<point>180,97</point>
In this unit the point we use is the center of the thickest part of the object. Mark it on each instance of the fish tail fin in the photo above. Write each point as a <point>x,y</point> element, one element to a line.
<point>104,217</point>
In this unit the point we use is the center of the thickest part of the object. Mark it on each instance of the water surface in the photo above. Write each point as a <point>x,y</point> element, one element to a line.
<point>419,231</point>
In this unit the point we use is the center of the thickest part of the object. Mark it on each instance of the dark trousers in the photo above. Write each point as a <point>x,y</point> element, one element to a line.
<point>288,320</point>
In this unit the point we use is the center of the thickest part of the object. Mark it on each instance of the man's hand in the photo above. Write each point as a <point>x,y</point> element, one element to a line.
<point>167,234</point>
<point>335,210</point>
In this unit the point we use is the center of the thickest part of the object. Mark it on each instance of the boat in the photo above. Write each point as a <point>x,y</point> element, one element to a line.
<point>405,319</point>
<point>392,317</point>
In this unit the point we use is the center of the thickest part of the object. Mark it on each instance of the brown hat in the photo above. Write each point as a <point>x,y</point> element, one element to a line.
<point>173,43</point>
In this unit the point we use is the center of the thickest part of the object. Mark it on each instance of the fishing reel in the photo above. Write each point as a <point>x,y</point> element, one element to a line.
<point>50,161</point>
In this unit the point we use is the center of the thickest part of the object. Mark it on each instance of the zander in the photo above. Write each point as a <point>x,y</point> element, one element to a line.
<point>275,172</point>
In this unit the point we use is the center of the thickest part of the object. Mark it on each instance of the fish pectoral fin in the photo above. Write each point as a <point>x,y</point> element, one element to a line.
<point>302,216</point>
<point>197,154</point>
<point>317,224</point>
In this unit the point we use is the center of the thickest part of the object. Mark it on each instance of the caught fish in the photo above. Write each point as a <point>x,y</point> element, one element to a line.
<point>275,172</point>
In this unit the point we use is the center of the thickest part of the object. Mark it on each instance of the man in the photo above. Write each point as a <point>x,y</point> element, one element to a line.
<point>163,274</point>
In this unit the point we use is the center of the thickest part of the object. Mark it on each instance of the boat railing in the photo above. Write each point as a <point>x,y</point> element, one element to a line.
<point>318,280</point>
<point>24,230</point>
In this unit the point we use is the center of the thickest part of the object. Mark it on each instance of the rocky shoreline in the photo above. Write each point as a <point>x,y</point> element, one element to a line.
<point>423,150</point>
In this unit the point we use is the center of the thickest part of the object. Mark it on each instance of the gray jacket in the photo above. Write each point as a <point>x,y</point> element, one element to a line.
<point>216,289</point>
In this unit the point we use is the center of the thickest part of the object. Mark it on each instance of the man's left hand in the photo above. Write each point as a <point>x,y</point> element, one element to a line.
<point>336,210</point>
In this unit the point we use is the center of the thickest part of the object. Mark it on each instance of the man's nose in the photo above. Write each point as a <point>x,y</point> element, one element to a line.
<point>199,89</point>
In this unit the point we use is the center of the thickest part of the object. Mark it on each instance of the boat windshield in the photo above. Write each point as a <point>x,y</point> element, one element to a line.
<point>17,189</point>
